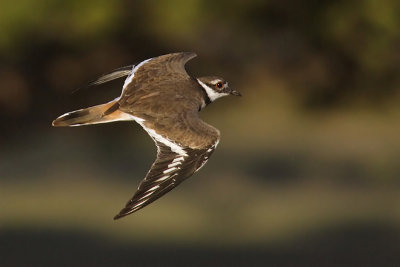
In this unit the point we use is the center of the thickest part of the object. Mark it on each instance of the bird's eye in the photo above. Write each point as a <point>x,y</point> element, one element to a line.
<point>219,85</point>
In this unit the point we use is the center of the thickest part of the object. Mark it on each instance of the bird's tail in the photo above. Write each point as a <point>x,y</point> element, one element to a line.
<point>98,114</point>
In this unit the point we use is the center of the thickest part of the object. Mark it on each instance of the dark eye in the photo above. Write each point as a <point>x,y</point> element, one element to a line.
<point>219,85</point>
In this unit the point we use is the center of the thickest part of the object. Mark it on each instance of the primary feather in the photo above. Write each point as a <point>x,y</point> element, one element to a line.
<point>115,74</point>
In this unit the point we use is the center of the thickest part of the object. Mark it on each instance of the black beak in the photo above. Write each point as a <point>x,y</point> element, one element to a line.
<point>236,93</point>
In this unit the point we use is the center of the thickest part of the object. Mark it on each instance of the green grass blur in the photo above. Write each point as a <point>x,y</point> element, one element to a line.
<point>307,170</point>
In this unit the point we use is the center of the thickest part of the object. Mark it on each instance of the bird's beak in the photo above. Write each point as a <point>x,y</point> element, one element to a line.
<point>236,93</point>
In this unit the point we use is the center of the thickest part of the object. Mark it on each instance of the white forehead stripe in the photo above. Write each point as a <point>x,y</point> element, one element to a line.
<point>211,93</point>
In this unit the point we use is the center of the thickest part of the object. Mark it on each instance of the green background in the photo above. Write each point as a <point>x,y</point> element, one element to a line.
<point>307,170</point>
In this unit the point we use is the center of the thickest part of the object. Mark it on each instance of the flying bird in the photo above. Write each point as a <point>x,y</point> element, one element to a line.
<point>165,100</point>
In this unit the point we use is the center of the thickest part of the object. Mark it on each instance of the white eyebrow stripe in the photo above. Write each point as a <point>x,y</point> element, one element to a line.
<point>216,81</point>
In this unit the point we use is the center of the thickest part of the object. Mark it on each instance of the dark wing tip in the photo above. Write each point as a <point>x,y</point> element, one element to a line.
<point>116,217</point>
<point>58,123</point>
<point>124,212</point>
<point>119,216</point>
<point>132,206</point>
<point>182,56</point>
<point>64,120</point>
<point>189,55</point>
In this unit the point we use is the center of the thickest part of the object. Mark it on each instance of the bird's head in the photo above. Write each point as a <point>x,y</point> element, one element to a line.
<point>216,87</point>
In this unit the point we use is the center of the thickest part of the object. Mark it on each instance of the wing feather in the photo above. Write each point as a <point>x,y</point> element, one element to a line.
<point>168,171</point>
<point>115,74</point>
<point>155,72</point>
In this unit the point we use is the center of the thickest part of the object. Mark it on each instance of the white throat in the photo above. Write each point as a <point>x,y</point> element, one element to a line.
<point>211,93</point>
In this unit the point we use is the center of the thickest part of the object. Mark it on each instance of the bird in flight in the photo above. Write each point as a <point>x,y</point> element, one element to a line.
<point>160,96</point>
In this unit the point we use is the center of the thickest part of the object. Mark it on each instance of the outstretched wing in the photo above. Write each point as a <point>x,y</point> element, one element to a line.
<point>154,72</point>
<point>173,165</point>
<point>170,63</point>
<point>165,65</point>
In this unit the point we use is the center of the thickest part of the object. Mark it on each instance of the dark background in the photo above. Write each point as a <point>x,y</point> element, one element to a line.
<point>307,171</point>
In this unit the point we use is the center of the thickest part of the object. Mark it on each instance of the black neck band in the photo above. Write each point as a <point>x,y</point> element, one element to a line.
<point>207,100</point>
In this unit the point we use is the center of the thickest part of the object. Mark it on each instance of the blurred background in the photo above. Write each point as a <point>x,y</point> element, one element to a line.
<point>307,170</point>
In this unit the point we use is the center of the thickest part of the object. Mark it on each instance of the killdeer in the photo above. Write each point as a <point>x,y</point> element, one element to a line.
<point>160,96</point>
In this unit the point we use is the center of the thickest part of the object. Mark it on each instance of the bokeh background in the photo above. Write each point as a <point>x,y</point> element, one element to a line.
<point>307,171</point>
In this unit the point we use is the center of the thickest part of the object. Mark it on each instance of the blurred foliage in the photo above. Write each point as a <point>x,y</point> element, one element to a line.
<point>331,53</point>
<point>65,21</point>
<point>313,143</point>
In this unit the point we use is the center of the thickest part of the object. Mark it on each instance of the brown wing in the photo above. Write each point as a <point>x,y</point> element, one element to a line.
<point>165,72</point>
<point>169,170</point>
<point>157,98</point>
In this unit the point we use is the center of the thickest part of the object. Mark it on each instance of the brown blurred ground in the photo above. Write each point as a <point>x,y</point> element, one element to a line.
<point>307,172</point>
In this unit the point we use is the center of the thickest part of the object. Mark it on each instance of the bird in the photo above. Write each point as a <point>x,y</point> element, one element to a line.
<point>165,100</point>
